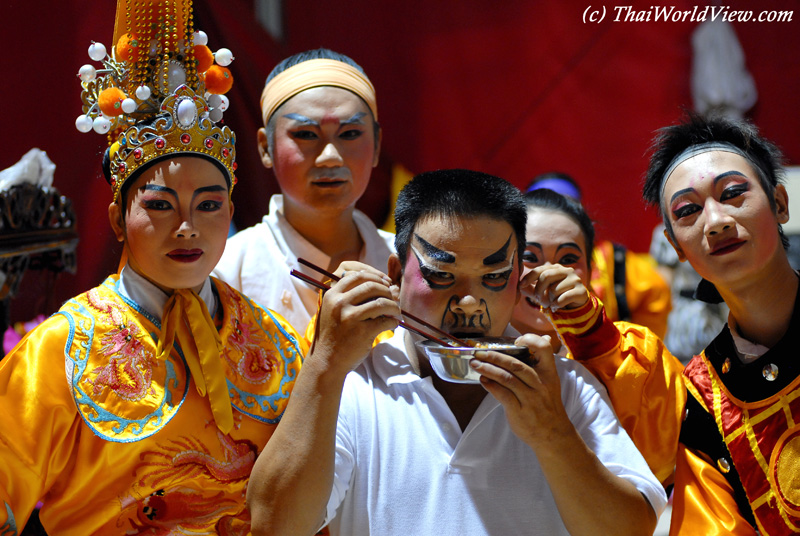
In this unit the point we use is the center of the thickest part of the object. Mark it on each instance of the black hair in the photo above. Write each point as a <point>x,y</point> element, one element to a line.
<point>123,191</point>
<point>549,200</point>
<point>457,193</point>
<point>300,57</point>
<point>764,156</point>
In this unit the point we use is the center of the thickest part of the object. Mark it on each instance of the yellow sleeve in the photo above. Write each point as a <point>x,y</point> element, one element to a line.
<point>39,425</point>
<point>649,296</point>
<point>643,379</point>
<point>703,501</point>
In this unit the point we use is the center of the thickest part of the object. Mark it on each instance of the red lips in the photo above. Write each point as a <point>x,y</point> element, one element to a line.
<point>727,246</point>
<point>185,255</point>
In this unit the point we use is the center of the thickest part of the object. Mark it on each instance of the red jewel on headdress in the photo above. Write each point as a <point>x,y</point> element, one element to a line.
<point>234,166</point>
<point>161,143</point>
<point>235,180</point>
<point>137,153</point>
<point>185,139</point>
<point>113,181</point>
<point>225,152</point>
<point>209,143</point>
<point>121,168</point>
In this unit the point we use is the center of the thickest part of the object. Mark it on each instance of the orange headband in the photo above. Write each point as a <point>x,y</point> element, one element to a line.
<point>315,73</point>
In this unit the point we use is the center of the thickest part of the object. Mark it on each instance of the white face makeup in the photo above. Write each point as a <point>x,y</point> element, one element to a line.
<point>324,150</point>
<point>551,237</point>
<point>721,218</point>
<point>177,216</point>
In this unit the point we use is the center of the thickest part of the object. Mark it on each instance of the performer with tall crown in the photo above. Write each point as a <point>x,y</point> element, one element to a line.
<point>142,404</point>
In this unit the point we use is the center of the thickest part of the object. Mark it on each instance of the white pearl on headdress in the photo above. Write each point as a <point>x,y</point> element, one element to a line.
<point>97,51</point>
<point>142,92</point>
<point>128,105</point>
<point>215,114</point>
<point>176,76</point>
<point>87,73</point>
<point>200,38</point>
<point>83,123</point>
<point>223,57</point>
<point>214,100</point>
<point>187,113</point>
<point>101,125</point>
<point>153,48</point>
<point>224,103</point>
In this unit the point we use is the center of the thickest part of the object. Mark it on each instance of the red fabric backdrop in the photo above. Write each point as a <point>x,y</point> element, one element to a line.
<point>511,88</point>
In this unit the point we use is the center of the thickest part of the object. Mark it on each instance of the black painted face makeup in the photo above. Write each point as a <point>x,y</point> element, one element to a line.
<point>463,273</point>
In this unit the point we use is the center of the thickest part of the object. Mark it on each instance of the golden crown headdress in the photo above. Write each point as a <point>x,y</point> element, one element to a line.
<point>160,90</point>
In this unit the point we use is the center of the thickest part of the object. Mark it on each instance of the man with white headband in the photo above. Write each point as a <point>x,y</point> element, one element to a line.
<point>718,186</point>
<point>321,137</point>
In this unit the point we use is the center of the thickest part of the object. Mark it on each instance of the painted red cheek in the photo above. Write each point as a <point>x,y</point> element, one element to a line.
<point>424,298</point>
<point>413,276</point>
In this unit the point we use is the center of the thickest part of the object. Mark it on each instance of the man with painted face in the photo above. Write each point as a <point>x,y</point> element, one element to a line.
<point>374,442</point>
<point>321,137</point>
<point>718,185</point>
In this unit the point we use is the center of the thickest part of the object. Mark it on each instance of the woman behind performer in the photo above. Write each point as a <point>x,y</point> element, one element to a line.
<point>642,377</point>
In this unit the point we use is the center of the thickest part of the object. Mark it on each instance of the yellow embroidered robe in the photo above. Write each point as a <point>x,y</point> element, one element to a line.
<point>123,443</point>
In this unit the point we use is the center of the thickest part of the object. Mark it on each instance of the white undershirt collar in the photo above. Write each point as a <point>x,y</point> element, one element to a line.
<point>151,298</point>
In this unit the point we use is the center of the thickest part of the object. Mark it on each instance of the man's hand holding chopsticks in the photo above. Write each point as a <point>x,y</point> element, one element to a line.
<point>354,311</point>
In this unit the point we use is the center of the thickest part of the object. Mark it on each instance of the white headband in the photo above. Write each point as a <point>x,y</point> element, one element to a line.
<point>694,150</point>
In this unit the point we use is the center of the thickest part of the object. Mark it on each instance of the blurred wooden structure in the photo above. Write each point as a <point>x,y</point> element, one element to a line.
<point>38,231</point>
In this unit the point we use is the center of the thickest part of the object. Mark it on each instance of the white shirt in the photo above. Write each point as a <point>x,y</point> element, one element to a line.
<point>258,260</point>
<point>403,465</point>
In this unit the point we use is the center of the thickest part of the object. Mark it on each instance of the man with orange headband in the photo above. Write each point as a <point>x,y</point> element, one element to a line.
<point>321,138</point>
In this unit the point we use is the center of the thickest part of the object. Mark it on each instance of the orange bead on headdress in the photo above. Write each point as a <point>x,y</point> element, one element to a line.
<point>160,91</point>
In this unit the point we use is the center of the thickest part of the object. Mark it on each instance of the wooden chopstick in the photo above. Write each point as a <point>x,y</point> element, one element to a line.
<point>409,315</point>
<point>322,286</point>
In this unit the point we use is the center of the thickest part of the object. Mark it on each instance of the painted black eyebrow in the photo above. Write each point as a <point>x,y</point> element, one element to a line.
<point>716,180</point>
<point>159,188</point>
<point>560,246</point>
<point>173,193</point>
<point>499,255</point>
<point>435,253</point>
<point>213,188</point>
<point>727,174</point>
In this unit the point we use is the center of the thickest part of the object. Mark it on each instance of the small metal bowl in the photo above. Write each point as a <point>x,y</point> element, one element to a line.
<point>452,363</point>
